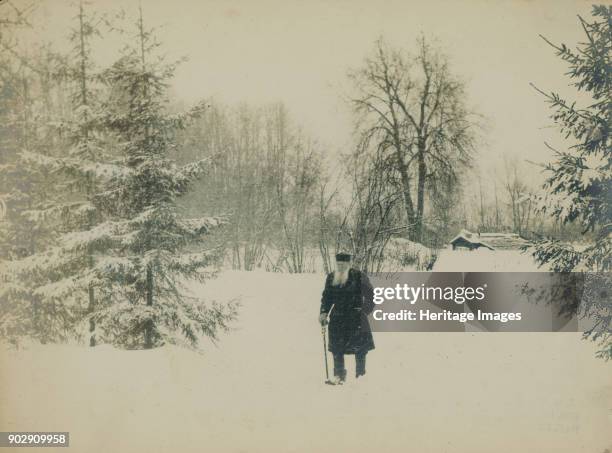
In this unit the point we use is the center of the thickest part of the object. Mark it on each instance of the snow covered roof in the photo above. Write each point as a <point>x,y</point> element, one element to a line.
<point>491,240</point>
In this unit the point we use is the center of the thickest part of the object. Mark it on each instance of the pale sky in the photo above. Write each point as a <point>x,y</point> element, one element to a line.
<point>299,52</point>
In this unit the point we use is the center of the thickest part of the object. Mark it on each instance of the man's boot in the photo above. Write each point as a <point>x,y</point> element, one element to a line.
<point>360,360</point>
<point>340,376</point>
<point>339,370</point>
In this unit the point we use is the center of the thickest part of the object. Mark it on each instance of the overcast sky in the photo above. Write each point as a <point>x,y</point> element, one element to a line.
<point>299,52</point>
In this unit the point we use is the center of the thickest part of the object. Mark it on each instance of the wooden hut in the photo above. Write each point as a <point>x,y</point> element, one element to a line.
<point>493,241</point>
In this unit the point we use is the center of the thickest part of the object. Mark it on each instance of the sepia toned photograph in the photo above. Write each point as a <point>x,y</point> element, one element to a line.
<point>333,226</point>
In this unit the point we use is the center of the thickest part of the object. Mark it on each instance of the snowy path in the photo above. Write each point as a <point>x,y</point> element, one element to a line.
<point>262,390</point>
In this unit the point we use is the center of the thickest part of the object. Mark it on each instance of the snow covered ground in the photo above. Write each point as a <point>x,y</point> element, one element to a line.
<point>261,389</point>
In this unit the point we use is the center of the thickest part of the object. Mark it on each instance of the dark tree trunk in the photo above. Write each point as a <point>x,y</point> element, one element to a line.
<point>422,171</point>
<point>149,325</point>
<point>36,319</point>
<point>409,207</point>
<point>92,322</point>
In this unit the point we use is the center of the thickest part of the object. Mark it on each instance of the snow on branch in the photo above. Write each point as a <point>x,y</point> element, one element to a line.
<point>202,225</point>
<point>79,166</point>
<point>78,208</point>
<point>101,235</point>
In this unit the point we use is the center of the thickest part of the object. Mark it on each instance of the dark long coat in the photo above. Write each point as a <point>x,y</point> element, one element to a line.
<point>349,329</point>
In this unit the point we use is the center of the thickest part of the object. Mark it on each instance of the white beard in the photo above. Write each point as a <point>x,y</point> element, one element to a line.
<point>340,278</point>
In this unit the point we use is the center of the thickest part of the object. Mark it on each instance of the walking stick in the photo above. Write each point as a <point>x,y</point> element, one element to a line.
<point>327,380</point>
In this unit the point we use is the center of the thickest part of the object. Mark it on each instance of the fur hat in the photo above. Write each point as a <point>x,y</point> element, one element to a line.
<point>343,256</point>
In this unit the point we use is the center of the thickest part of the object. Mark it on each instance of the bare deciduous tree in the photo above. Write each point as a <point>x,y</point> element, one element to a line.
<point>520,198</point>
<point>414,109</point>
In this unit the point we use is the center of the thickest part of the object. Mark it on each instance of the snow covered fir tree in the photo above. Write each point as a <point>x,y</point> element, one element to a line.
<point>579,182</point>
<point>148,246</point>
<point>55,273</point>
<point>119,257</point>
<point>27,178</point>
